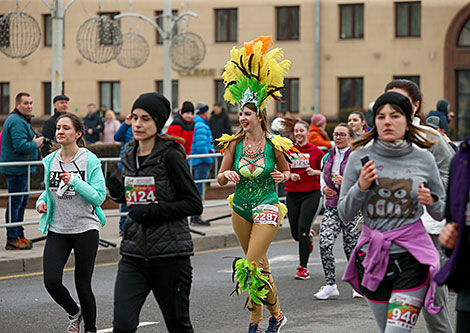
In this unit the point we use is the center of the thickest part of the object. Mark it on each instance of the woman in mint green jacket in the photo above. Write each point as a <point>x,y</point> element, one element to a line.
<point>70,204</point>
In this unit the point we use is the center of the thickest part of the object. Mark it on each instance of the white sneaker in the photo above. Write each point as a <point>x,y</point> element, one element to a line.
<point>327,291</point>
<point>357,295</point>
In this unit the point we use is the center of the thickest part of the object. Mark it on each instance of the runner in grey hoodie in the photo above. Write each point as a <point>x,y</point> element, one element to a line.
<point>443,154</point>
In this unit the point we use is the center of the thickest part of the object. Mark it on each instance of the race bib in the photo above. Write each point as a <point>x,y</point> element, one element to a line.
<point>300,161</point>
<point>266,214</point>
<point>403,311</point>
<point>140,190</point>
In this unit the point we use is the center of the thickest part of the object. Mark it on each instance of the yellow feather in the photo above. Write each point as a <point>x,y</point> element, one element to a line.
<point>281,143</point>
<point>225,139</point>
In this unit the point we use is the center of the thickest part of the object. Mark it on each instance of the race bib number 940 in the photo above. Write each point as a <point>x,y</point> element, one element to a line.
<point>266,214</point>
<point>140,190</point>
<point>403,311</point>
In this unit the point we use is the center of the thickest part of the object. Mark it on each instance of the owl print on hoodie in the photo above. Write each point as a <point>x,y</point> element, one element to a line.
<point>392,198</point>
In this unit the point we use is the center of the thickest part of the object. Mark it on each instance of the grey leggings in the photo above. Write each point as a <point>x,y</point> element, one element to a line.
<point>380,311</point>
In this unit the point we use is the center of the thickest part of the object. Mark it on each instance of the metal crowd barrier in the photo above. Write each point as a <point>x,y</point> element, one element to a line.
<point>105,161</point>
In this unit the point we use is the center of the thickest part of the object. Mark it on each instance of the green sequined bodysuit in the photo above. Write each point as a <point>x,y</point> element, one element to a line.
<point>257,187</point>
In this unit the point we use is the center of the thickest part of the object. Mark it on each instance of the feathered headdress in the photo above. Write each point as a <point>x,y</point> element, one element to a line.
<point>254,76</point>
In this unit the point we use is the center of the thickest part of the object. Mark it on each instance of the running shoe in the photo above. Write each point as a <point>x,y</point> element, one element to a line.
<point>328,291</point>
<point>312,234</point>
<point>357,295</point>
<point>74,323</point>
<point>17,245</point>
<point>254,328</point>
<point>275,323</point>
<point>27,242</point>
<point>302,274</point>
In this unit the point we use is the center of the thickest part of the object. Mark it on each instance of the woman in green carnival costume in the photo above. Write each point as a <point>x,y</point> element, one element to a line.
<point>254,160</point>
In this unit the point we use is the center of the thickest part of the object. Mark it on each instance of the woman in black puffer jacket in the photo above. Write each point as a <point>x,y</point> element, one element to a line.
<point>157,186</point>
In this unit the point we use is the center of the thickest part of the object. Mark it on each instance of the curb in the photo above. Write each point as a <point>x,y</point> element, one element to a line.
<point>111,254</point>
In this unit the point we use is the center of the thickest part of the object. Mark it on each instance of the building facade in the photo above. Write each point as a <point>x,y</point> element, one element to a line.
<point>362,45</point>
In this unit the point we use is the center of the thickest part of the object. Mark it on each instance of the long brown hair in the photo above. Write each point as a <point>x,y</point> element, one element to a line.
<point>264,122</point>
<point>77,124</point>
<point>413,135</point>
<point>289,125</point>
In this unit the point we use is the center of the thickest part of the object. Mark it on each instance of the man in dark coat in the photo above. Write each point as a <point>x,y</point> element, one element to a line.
<point>442,111</point>
<point>61,106</point>
<point>93,125</point>
<point>220,122</point>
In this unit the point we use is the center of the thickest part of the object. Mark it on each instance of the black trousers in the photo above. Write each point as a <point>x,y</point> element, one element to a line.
<point>302,207</point>
<point>169,280</point>
<point>56,252</point>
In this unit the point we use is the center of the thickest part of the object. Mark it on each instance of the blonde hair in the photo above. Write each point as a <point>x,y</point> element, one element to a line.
<point>111,112</point>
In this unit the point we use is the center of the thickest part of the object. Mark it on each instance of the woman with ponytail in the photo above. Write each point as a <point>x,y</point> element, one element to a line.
<point>71,215</point>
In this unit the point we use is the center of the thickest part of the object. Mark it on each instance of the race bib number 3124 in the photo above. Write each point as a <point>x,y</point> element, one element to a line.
<point>140,190</point>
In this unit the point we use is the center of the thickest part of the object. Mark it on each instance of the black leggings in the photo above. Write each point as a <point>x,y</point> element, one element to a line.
<point>302,208</point>
<point>56,252</point>
<point>170,281</point>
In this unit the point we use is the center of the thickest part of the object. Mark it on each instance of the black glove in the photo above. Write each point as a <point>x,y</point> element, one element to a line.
<point>144,214</point>
<point>115,187</point>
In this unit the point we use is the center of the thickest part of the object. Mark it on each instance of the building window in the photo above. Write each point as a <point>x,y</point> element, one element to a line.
<point>290,96</point>
<point>408,19</point>
<point>48,30</point>
<point>288,23</point>
<point>110,95</point>
<point>174,93</point>
<point>413,78</point>
<point>352,21</point>
<point>350,93</point>
<point>4,98</point>
<point>107,33</point>
<point>463,103</point>
<point>159,20</point>
<point>47,87</point>
<point>464,38</point>
<point>219,96</point>
<point>226,25</point>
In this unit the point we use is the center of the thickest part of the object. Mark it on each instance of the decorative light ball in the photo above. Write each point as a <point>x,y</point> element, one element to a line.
<point>19,34</point>
<point>135,50</point>
<point>99,39</point>
<point>187,51</point>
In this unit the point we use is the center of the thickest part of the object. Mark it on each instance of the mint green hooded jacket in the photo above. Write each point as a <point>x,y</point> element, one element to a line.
<point>93,191</point>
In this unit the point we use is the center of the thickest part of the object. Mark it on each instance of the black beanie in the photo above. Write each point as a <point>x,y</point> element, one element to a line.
<point>187,107</point>
<point>396,99</point>
<point>156,105</point>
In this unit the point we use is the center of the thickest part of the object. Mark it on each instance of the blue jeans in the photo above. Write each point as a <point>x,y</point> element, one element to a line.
<point>16,183</point>
<point>201,171</point>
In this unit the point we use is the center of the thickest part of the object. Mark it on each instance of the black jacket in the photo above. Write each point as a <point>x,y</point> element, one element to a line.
<point>48,131</point>
<point>220,124</point>
<point>96,124</point>
<point>166,233</point>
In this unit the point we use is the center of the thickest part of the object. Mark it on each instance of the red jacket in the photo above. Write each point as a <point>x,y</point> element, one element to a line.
<point>183,129</point>
<point>299,166</point>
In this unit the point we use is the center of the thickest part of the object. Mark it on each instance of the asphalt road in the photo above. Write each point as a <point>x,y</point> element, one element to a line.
<point>25,306</point>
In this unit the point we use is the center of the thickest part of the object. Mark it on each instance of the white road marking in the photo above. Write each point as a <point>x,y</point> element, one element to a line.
<point>145,323</point>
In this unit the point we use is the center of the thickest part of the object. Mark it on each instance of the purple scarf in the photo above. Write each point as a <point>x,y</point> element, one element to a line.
<point>333,201</point>
<point>413,238</point>
<point>459,187</point>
